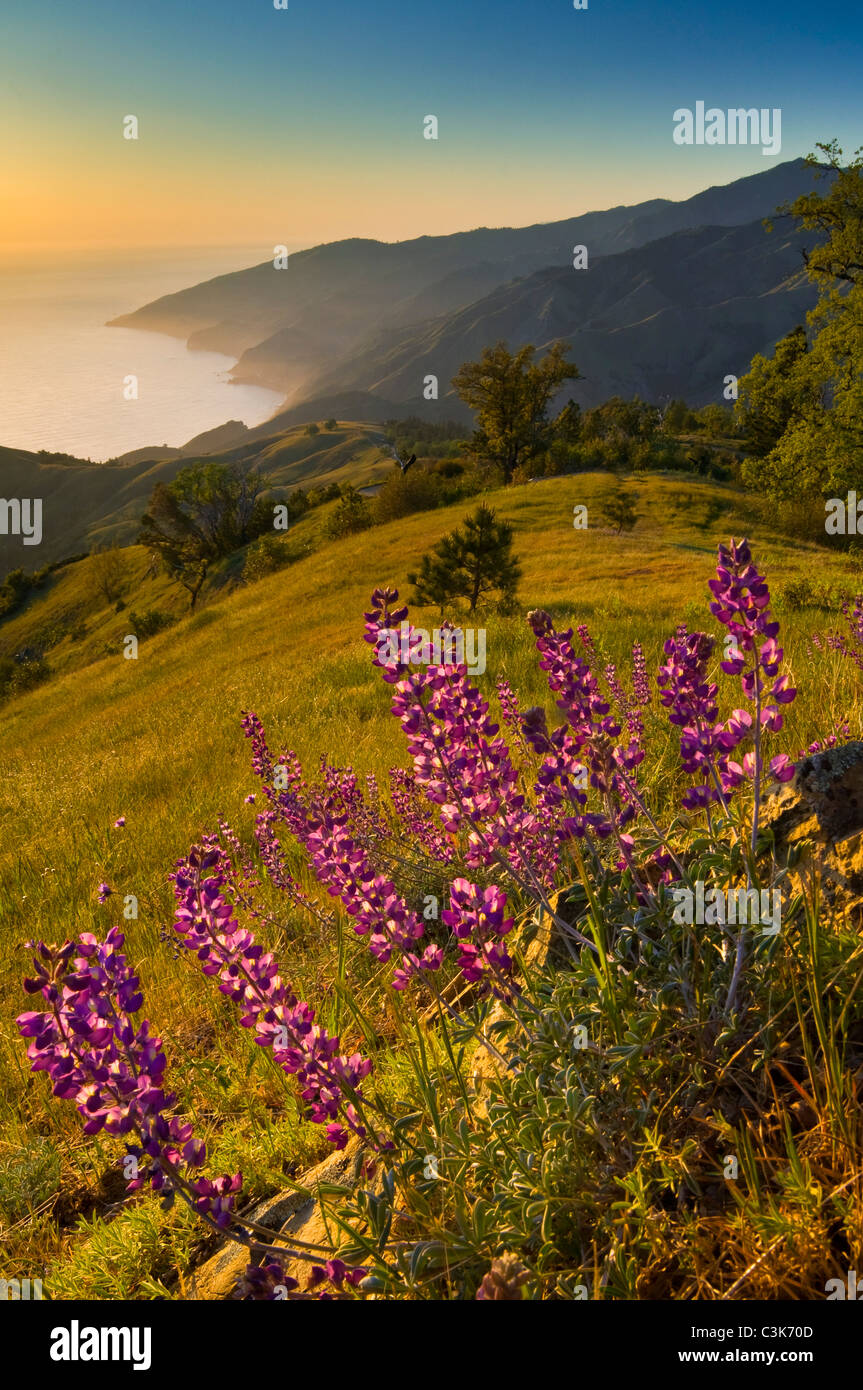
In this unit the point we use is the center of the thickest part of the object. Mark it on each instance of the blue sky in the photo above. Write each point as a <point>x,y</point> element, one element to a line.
<point>306,124</point>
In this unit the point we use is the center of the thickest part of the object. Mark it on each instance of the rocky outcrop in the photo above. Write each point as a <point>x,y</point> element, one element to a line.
<point>294,1214</point>
<point>820,812</point>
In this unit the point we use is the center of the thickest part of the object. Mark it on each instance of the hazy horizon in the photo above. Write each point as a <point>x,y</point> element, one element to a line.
<point>243,251</point>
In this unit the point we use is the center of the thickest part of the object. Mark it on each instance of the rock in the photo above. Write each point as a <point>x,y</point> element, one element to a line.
<point>823,804</point>
<point>484,1063</point>
<point>544,947</point>
<point>295,1213</point>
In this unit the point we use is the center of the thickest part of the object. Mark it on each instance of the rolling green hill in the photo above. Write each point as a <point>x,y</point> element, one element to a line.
<point>86,505</point>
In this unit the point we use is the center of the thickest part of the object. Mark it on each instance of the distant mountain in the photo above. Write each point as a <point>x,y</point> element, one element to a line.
<point>289,328</point>
<point>671,318</point>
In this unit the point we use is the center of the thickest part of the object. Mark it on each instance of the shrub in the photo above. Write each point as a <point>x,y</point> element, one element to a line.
<point>618,509</point>
<point>441,439</point>
<point>799,518</point>
<point>149,621</point>
<point>802,593</point>
<point>400,494</point>
<point>330,493</point>
<point>19,675</point>
<point>17,587</point>
<point>353,514</point>
<point>27,1178</point>
<point>298,503</point>
<point>270,553</point>
<point>108,574</point>
<point>206,512</point>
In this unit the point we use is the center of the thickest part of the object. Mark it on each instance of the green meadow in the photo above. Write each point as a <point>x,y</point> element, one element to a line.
<point>157,740</point>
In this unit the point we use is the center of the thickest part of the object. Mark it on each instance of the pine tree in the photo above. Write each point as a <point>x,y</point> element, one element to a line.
<point>469,563</point>
<point>353,513</point>
<point>618,509</point>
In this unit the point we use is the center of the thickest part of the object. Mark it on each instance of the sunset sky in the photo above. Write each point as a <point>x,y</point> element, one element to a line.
<point>305,125</point>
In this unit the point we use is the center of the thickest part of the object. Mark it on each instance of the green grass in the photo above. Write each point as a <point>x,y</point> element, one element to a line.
<point>157,740</point>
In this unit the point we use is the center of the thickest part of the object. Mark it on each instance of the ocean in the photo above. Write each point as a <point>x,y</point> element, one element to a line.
<point>62,371</point>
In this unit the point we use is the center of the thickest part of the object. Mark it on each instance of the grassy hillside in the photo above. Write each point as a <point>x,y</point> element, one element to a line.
<point>86,505</point>
<point>157,740</point>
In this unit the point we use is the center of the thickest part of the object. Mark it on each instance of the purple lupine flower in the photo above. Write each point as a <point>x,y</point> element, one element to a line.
<point>430,960</point>
<point>511,711</point>
<point>822,745</point>
<point>371,899</point>
<point>95,1056</point>
<point>238,871</point>
<point>460,760</point>
<point>319,822</point>
<point>635,724</point>
<point>281,1022</point>
<point>691,699</point>
<point>340,791</point>
<point>263,763</point>
<point>640,680</point>
<point>273,860</point>
<point>742,604</point>
<point>591,731</point>
<point>628,706</point>
<point>478,921</point>
<point>508,705</point>
<point>266,1282</point>
<point>561,780</point>
<point>613,682</point>
<point>587,642</point>
<point>839,642</point>
<point>416,818</point>
<point>337,1272</point>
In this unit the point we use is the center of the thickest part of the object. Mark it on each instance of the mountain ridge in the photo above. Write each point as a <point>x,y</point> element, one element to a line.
<point>635,307</point>
<point>286,332</point>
